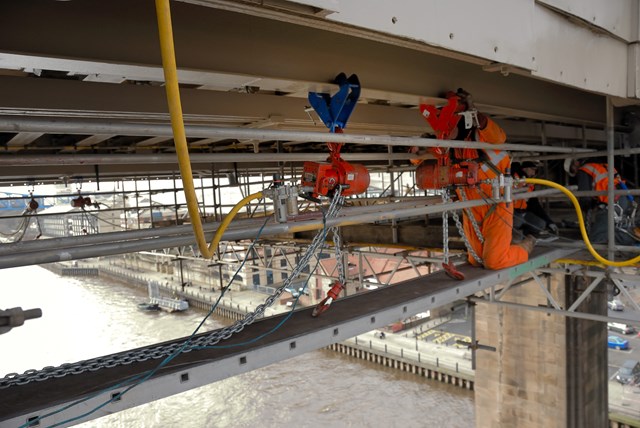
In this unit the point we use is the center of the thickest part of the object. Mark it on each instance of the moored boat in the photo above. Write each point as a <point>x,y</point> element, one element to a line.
<point>148,306</point>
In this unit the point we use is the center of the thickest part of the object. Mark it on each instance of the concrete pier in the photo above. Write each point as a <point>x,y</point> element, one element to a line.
<point>547,370</point>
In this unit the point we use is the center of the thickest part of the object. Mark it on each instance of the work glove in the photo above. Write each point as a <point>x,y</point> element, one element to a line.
<point>553,228</point>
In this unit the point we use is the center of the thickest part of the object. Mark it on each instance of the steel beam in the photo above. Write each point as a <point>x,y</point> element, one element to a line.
<point>305,45</point>
<point>199,158</point>
<point>54,125</point>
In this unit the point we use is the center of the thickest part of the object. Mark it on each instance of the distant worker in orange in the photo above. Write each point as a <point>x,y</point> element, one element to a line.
<point>595,176</point>
<point>487,228</point>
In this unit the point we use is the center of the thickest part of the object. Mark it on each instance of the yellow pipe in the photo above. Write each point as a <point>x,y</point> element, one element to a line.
<point>583,230</point>
<point>225,223</point>
<point>180,140</point>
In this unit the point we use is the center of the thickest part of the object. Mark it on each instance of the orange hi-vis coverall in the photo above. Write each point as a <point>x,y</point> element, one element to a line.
<point>600,178</point>
<point>495,221</point>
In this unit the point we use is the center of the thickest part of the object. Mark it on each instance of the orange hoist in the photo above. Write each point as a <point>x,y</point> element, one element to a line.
<point>323,178</point>
<point>334,111</point>
<point>337,177</point>
<point>448,169</point>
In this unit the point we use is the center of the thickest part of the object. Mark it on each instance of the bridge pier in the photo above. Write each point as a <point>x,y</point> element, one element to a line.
<point>547,370</point>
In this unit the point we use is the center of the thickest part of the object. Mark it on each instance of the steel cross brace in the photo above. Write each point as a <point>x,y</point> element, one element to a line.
<point>544,289</point>
<point>493,295</point>
<point>623,289</point>
<point>616,277</point>
<point>496,294</point>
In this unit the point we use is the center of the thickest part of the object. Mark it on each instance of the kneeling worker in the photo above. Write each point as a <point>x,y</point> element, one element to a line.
<point>595,176</point>
<point>488,228</point>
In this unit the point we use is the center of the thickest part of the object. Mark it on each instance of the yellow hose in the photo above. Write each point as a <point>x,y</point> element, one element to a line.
<point>177,124</point>
<point>583,230</point>
<point>228,218</point>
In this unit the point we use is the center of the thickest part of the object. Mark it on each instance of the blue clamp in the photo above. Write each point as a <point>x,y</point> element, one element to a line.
<point>623,186</point>
<point>335,111</point>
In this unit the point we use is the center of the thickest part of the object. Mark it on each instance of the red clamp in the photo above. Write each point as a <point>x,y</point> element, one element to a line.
<point>442,120</point>
<point>332,295</point>
<point>451,271</point>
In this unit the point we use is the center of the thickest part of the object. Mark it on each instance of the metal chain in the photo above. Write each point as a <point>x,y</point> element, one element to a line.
<point>164,351</point>
<point>472,218</point>
<point>445,228</point>
<point>318,241</point>
<point>337,244</point>
<point>463,235</point>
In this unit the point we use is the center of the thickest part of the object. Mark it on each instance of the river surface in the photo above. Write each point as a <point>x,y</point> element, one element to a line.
<point>88,317</point>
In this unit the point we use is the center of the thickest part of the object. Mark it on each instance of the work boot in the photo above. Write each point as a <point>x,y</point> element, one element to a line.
<point>528,243</point>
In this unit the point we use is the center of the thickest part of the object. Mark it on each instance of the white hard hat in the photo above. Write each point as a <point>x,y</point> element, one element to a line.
<point>567,167</point>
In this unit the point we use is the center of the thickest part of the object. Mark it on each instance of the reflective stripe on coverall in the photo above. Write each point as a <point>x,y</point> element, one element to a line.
<point>495,224</point>
<point>600,178</point>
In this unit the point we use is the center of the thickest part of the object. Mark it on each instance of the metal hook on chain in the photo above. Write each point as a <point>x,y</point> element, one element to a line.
<point>32,204</point>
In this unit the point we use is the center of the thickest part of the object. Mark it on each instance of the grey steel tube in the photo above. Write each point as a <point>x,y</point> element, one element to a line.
<point>611,185</point>
<point>65,126</point>
<point>591,154</point>
<point>152,159</point>
<point>164,232</point>
<point>240,232</point>
<point>549,311</point>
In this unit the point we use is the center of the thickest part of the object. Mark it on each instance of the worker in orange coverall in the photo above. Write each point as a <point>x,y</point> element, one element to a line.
<point>495,221</point>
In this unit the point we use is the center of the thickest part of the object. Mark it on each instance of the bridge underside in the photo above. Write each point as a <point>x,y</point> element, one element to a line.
<point>72,87</point>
